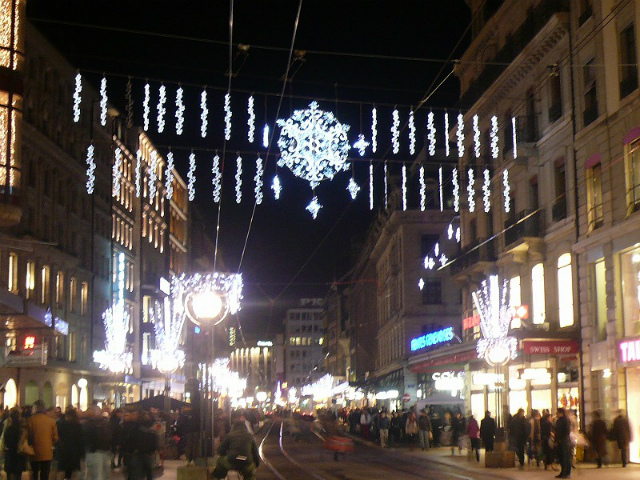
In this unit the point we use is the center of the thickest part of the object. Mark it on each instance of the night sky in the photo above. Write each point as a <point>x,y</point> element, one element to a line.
<point>288,254</point>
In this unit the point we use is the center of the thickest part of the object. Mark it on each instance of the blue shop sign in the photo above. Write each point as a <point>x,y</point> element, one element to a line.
<point>433,338</point>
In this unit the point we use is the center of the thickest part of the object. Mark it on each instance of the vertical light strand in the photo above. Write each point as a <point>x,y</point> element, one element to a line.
<point>162,100</point>
<point>276,186</point>
<point>251,121</point>
<point>460,135</point>
<point>168,183</point>
<point>404,187</point>
<point>77,98</point>
<point>138,173</point>
<point>153,175</point>
<point>238,179</point>
<point>515,137</point>
<point>447,148</point>
<point>395,132</point>
<point>204,113</point>
<point>423,190</point>
<point>191,177</point>
<point>370,185</point>
<point>495,150</point>
<point>476,136</point>
<point>258,180</point>
<point>179,110</point>
<point>374,129</point>
<point>265,136</point>
<point>412,133</point>
<point>227,116</point>
<point>91,169</point>
<point>145,107</point>
<point>217,178</point>
<point>128,95</point>
<point>486,190</point>
<point>440,188</point>
<point>117,172</point>
<point>386,187</point>
<point>103,102</point>
<point>456,190</point>
<point>471,190</point>
<point>431,135</point>
<point>506,191</point>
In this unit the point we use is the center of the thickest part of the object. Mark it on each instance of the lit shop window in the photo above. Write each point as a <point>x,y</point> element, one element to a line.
<point>565,291</point>
<point>515,299</point>
<point>630,268</point>
<point>537,294</point>
<point>13,273</point>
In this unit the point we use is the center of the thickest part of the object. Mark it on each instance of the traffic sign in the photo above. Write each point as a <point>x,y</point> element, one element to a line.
<point>406,397</point>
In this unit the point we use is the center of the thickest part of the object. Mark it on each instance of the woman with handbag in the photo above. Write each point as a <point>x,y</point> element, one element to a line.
<point>14,436</point>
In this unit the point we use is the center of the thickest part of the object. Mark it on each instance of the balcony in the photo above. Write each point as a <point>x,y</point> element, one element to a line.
<point>526,224</point>
<point>559,209</point>
<point>476,259</point>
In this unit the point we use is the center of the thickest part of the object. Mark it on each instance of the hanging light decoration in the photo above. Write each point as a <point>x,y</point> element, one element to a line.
<point>460,135</point>
<point>471,190</point>
<point>128,95</point>
<point>440,188</point>
<point>404,187</point>
<point>370,185</point>
<point>450,232</point>
<point>456,190</point>
<point>476,136</point>
<point>138,173</point>
<point>251,121</point>
<point>276,187</point>
<point>395,132</point>
<point>458,234</point>
<point>162,99</point>
<point>436,249</point>
<point>258,180</point>
<point>423,190</point>
<point>374,129</point>
<point>421,284</point>
<point>429,263</point>
<point>447,148</point>
<point>353,188</point>
<point>217,179</point>
<point>227,116</point>
<point>168,184</point>
<point>204,113</point>
<point>361,145</point>
<point>265,136</point>
<point>179,110</point>
<point>486,190</point>
<point>386,187</point>
<point>103,102</point>
<point>431,136</point>
<point>443,260</point>
<point>191,177</point>
<point>507,191</point>
<point>412,133</point>
<point>314,207</point>
<point>91,169</point>
<point>117,172</point>
<point>238,179</point>
<point>494,137</point>
<point>515,137</point>
<point>153,175</point>
<point>77,98</point>
<point>168,322</point>
<point>145,107</point>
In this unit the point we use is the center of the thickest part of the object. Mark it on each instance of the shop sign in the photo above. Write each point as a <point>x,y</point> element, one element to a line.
<point>433,338</point>
<point>550,347</point>
<point>629,350</point>
<point>470,322</point>
<point>265,343</point>
<point>448,381</point>
<point>489,379</point>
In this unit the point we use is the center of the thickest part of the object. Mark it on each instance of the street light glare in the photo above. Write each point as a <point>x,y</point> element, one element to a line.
<point>206,304</point>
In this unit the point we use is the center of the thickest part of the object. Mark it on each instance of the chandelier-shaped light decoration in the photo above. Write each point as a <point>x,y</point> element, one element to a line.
<point>353,188</point>
<point>258,180</point>
<point>423,190</point>
<point>91,169</point>
<point>460,135</point>
<point>515,137</point>
<point>314,207</point>
<point>476,136</point>
<point>494,137</point>
<point>447,148</point>
<point>471,190</point>
<point>146,110</point>
<point>495,346</point>
<point>404,188</point>
<point>386,187</point>
<point>313,145</point>
<point>238,179</point>
<point>370,185</point>
<point>440,188</point>
<point>507,191</point>
<point>456,190</point>
<point>204,113</point>
<point>276,186</point>
<point>117,173</point>
<point>162,110</point>
<point>103,102</point>
<point>431,136</point>
<point>138,173</point>
<point>191,177</point>
<point>265,136</point>
<point>251,121</point>
<point>153,175</point>
<point>115,356</point>
<point>412,133</point>
<point>77,98</point>
<point>179,110</point>
<point>128,96</point>
<point>486,190</point>
<point>217,179</point>
<point>361,145</point>
<point>227,116</point>
<point>168,178</point>
<point>374,130</point>
<point>395,132</point>
<point>167,356</point>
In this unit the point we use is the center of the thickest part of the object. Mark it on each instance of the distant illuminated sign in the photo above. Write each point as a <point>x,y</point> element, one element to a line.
<point>265,343</point>
<point>453,381</point>
<point>29,342</point>
<point>433,338</point>
<point>470,322</point>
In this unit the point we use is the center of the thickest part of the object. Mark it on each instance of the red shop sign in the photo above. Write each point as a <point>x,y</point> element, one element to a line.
<point>470,322</point>
<point>550,347</point>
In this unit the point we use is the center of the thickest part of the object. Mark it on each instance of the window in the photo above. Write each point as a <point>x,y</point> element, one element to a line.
<point>599,305</point>
<point>628,68</point>
<point>59,289</point>
<point>630,269</point>
<point>146,348</point>
<point>30,280</point>
<point>45,275</point>
<point>72,346</point>
<point>594,196</point>
<point>12,283</point>
<point>432,292</point>
<point>73,287</point>
<point>84,298</point>
<point>539,312</point>
<point>585,11</point>
<point>632,175</point>
<point>565,291</point>
<point>590,93</point>
<point>515,298</point>
<point>555,95</point>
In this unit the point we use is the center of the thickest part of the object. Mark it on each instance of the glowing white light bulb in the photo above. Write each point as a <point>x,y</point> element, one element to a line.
<point>471,190</point>
<point>145,107</point>
<point>204,113</point>
<point>458,234</point>
<point>412,134</point>
<point>77,98</point>
<point>217,179</point>
<point>168,184</point>
<point>374,130</point>
<point>103,101</point>
<point>162,99</point>
<point>91,169</point>
<point>486,190</point>
<point>251,122</point>
<point>227,116</point>
<point>258,180</point>
<point>276,187</point>
<point>450,232</point>
<point>456,190</point>
<point>191,176</point>
<point>436,249</point>
<point>395,132</point>
<point>494,137</point>
<point>238,179</point>
<point>423,190</point>
<point>179,111</point>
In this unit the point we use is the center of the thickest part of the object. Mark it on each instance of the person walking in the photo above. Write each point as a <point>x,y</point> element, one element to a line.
<point>598,437</point>
<point>365,423</point>
<point>474,436</point>
<point>488,431</point>
<point>97,434</point>
<point>395,429</point>
<point>621,433</point>
<point>458,429</point>
<point>518,432</point>
<point>424,429</point>
<point>563,441</point>
<point>70,449</point>
<point>43,435</point>
<point>411,429</point>
<point>14,433</point>
<point>535,438</point>
<point>383,425</point>
<point>115,427</point>
<point>547,439</point>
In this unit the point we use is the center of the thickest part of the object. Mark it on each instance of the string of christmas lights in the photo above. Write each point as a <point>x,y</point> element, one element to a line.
<point>507,190</point>
<point>162,100</point>
<point>251,121</point>
<point>117,172</point>
<point>423,190</point>
<point>103,102</point>
<point>515,137</point>
<point>404,187</point>
<point>265,136</point>
<point>447,149</point>
<point>145,107</point>
<point>168,185</point>
<point>486,190</point>
<point>204,113</point>
<point>227,116</point>
<point>460,135</point>
<point>374,130</point>
<point>138,173</point>
<point>77,98</point>
<point>412,133</point>
<point>494,137</point>
<point>238,179</point>
<point>217,179</point>
<point>476,136</point>
<point>395,132</point>
<point>153,175</point>
<point>191,176</point>
<point>179,111</point>
<point>471,190</point>
<point>431,136</point>
<point>276,186</point>
<point>370,185</point>
<point>91,169</point>
<point>456,190</point>
<point>258,180</point>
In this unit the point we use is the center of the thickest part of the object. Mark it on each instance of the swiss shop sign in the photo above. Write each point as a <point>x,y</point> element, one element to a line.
<point>549,347</point>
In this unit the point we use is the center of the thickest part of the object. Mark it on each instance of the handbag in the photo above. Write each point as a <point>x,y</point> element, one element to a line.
<point>25,448</point>
<point>430,435</point>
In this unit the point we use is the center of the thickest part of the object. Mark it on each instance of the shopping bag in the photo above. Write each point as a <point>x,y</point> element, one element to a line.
<point>25,448</point>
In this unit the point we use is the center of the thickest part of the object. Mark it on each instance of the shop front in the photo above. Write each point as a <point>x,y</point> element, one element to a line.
<point>629,360</point>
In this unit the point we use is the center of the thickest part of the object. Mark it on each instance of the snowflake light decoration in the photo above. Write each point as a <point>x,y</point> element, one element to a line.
<point>77,99</point>
<point>443,260</point>
<point>395,132</point>
<point>217,179</point>
<point>162,100</point>
<point>313,144</point>
<point>314,207</point>
<point>450,232</point>
<point>238,179</point>
<point>412,133</point>
<point>117,172</point>
<point>276,187</point>
<point>421,284</point>
<point>353,188</point>
<point>168,185</point>
<point>258,180</point>
<point>103,101</point>
<point>146,110</point>
<point>153,175</point>
<point>374,129</point>
<point>361,145</point>
<point>204,113</point>
<point>370,186</point>
<point>423,190</point>
<point>91,169</point>
<point>456,190</point>
<point>447,148</point>
<point>227,116</point>
<point>486,190</point>
<point>251,121</point>
<point>494,137</point>
<point>191,176</point>
<point>404,187</point>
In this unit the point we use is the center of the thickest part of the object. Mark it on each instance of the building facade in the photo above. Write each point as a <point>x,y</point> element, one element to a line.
<point>304,338</point>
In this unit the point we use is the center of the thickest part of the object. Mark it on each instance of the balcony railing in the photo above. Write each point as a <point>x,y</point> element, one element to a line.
<point>474,253</point>
<point>559,209</point>
<point>526,224</point>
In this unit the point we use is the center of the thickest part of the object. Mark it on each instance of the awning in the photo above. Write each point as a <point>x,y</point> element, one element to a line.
<point>440,398</point>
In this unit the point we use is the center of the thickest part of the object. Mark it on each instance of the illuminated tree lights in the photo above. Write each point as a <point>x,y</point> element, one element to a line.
<point>374,129</point>
<point>314,207</point>
<point>494,137</point>
<point>168,186</point>
<point>227,117</point>
<point>91,169</point>
<point>162,110</point>
<point>145,107</point>
<point>238,179</point>
<point>117,172</point>
<point>179,111</point>
<point>471,190</point>
<point>204,113</point>
<point>313,144</point>
<point>77,99</point>
<point>412,134</point>
<point>423,190</point>
<point>404,187</point>
<point>258,180</point>
<point>276,187</point>
<point>507,191</point>
<point>251,121</point>
<point>353,188</point>
<point>431,136</point>
<point>486,190</point>
<point>103,102</point>
<point>460,135</point>
<point>456,190</point>
<point>191,176</point>
<point>217,179</point>
<point>361,145</point>
<point>395,132</point>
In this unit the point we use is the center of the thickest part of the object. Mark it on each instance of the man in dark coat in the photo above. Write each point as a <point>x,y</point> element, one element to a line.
<point>519,434</point>
<point>488,431</point>
<point>598,437</point>
<point>238,451</point>
<point>563,440</point>
<point>621,433</point>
